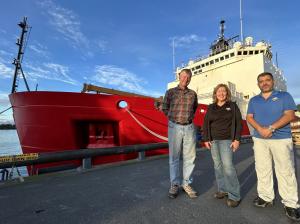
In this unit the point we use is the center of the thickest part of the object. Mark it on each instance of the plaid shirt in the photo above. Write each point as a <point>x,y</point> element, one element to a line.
<point>180,105</point>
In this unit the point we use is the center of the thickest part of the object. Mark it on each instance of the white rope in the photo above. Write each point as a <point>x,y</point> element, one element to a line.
<point>147,129</point>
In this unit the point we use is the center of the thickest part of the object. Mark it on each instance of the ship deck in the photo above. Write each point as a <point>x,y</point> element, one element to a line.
<point>134,192</point>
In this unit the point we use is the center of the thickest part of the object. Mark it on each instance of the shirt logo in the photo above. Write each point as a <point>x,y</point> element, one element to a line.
<point>228,108</point>
<point>275,99</point>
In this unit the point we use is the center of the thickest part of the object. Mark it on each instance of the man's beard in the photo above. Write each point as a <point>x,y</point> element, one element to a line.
<point>269,89</point>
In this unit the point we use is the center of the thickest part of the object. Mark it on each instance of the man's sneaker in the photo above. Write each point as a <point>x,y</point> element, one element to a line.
<point>233,203</point>
<point>220,195</point>
<point>292,213</point>
<point>259,202</point>
<point>190,191</point>
<point>173,191</point>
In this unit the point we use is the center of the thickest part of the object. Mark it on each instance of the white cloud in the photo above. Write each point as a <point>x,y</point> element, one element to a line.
<point>102,45</point>
<point>115,76</point>
<point>121,79</point>
<point>4,101</point>
<point>39,49</point>
<point>8,119</point>
<point>5,117</point>
<point>66,22</point>
<point>6,54</point>
<point>144,61</point>
<point>50,71</point>
<point>5,71</point>
<point>187,40</point>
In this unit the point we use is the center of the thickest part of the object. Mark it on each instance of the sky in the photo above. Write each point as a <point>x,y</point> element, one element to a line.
<point>127,44</point>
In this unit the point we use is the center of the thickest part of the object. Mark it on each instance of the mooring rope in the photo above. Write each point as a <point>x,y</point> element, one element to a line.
<point>147,129</point>
<point>5,110</point>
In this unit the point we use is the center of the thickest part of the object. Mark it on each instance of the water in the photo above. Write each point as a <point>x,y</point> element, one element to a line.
<point>10,145</point>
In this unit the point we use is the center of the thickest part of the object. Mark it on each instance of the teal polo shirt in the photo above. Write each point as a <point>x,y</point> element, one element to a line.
<point>267,111</point>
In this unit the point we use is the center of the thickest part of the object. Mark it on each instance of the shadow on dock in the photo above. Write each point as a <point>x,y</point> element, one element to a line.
<point>134,192</point>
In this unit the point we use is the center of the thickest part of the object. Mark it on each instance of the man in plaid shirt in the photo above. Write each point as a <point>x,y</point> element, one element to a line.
<point>180,104</point>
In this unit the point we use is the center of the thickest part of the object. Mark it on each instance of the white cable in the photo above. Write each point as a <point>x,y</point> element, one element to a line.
<point>147,129</point>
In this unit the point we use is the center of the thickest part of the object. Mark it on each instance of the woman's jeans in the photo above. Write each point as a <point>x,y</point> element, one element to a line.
<point>225,172</point>
<point>181,138</point>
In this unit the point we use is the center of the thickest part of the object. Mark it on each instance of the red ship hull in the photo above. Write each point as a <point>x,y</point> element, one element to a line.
<point>57,121</point>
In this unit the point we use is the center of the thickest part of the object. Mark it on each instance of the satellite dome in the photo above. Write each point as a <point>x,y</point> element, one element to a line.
<point>260,44</point>
<point>249,41</point>
<point>237,44</point>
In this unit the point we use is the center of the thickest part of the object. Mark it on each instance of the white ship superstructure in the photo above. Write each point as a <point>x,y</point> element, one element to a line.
<point>235,64</point>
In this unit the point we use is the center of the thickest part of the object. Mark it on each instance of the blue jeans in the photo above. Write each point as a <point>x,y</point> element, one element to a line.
<point>181,138</point>
<point>225,172</point>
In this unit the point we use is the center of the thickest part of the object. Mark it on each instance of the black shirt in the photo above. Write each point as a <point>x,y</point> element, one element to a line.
<point>217,124</point>
<point>220,121</point>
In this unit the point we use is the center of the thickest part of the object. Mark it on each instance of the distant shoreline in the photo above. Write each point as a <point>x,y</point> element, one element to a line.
<point>7,126</point>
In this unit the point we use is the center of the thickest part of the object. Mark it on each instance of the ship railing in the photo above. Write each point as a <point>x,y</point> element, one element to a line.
<point>14,161</point>
<point>86,155</point>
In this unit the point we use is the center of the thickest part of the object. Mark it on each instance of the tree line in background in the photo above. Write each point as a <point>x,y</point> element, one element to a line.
<point>7,126</point>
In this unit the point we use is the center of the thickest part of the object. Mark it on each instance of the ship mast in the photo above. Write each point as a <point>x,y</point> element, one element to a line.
<point>221,44</point>
<point>17,61</point>
<point>241,22</point>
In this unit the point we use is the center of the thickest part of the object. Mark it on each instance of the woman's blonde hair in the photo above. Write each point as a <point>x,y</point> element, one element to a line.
<point>228,96</point>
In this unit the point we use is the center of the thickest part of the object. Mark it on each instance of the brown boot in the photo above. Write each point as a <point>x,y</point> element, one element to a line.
<point>220,195</point>
<point>233,203</point>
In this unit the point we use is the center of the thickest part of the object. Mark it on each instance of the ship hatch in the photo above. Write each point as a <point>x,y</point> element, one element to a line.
<point>102,134</point>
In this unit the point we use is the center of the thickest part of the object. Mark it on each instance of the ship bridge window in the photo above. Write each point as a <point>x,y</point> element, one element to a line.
<point>231,54</point>
<point>239,53</point>
<point>203,65</point>
<point>217,60</point>
<point>200,71</point>
<point>221,58</point>
<point>256,52</point>
<point>250,52</point>
<point>226,56</point>
<point>245,52</point>
<point>211,62</point>
<point>195,72</point>
<point>193,69</point>
<point>261,51</point>
<point>207,63</point>
<point>197,67</point>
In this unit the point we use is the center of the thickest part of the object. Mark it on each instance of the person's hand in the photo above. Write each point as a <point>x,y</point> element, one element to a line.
<point>265,132</point>
<point>207,145</point>
<point>235,145</point>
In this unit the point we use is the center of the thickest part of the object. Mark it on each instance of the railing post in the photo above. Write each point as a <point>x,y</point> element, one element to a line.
<point>142,155</point>
<point>87,163</point>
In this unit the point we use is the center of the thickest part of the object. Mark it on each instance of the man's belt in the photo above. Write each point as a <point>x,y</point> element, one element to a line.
<point>187,123</point>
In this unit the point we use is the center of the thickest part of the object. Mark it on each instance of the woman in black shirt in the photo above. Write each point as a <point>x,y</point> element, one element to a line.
<point>221,133</point>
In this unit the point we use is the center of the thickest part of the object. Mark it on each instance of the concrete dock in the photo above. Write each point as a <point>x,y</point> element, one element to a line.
<point>135,192</point>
